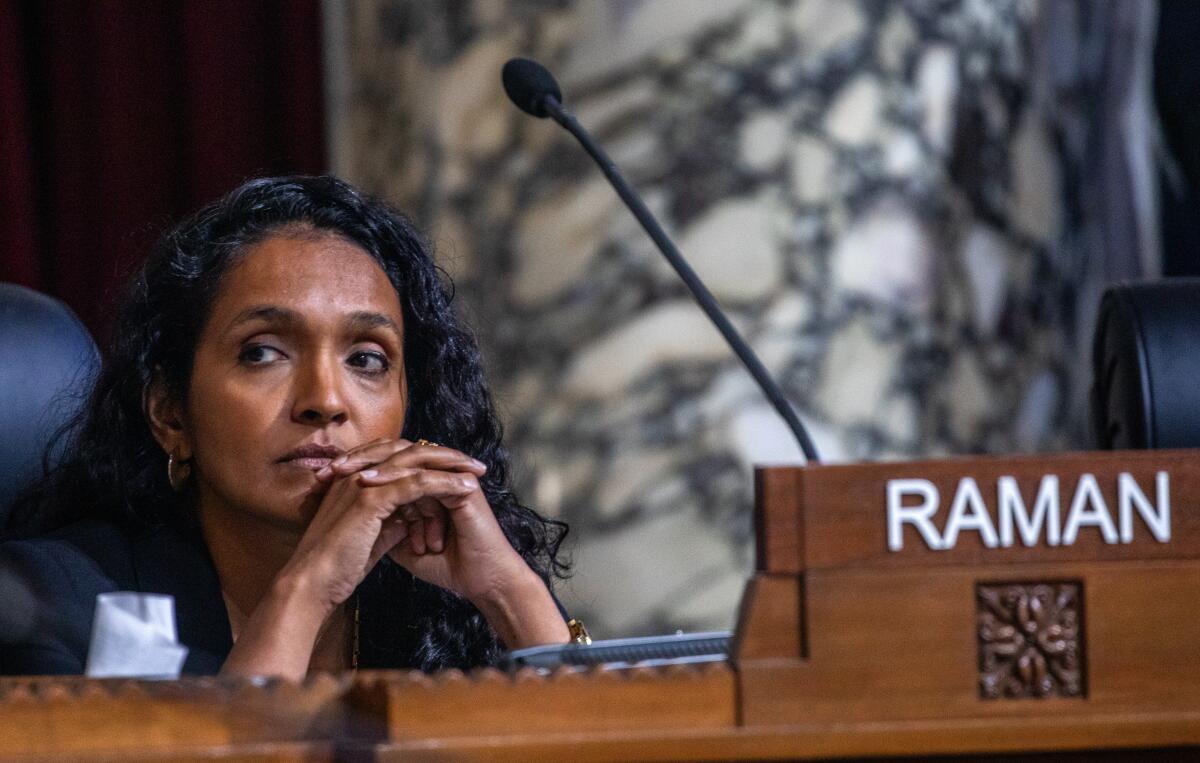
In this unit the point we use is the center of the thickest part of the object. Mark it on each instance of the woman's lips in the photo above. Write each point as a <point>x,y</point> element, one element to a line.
<point>312,463</point>
<point>312,456</point>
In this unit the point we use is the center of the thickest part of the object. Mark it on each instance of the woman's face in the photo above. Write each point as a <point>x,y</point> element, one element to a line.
<point>301,358</point>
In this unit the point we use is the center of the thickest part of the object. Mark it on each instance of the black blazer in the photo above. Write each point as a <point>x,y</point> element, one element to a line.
<point>67,569</point>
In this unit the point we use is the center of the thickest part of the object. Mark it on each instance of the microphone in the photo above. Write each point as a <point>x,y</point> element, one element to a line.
<point>528,84</point>
<point>533,89</point>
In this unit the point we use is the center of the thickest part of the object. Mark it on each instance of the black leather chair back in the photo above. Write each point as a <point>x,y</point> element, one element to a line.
<point>48,363</point>
<point>1146,366</point>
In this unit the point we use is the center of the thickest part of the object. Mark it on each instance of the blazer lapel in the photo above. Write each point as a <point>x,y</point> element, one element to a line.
<point>171,561</point>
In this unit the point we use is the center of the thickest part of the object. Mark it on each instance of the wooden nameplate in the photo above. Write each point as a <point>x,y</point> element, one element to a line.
<point>979,605</point>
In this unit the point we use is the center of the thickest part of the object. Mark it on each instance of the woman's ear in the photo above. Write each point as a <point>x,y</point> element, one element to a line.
<point>165,416</point>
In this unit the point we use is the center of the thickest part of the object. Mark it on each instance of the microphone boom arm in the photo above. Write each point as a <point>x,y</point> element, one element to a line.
<point>703,296</point>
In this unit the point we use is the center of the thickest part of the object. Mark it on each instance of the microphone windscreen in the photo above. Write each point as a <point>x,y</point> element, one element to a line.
<point>528,83</point>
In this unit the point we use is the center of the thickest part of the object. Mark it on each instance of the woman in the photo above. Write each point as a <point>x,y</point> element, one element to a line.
<point>292,437</point>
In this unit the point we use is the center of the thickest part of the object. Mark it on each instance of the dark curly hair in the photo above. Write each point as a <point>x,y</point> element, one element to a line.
<point>114,469</point>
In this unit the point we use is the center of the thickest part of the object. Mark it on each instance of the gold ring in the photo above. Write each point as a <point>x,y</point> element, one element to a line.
<point>423,441</point>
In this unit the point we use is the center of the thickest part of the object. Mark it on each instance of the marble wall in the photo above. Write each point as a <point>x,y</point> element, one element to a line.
<point>876,191</point>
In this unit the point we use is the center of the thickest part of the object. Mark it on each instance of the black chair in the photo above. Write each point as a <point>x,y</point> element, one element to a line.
<point>48,363</point>
<point>1146,366</point>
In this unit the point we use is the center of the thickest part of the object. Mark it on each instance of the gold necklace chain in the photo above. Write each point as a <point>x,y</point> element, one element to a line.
<point>354,647</point>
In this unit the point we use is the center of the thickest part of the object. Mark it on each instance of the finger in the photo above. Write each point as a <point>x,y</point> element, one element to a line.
<point>414,524</point>
<point>435,534</point>
<point>333,490</point>
<point>328,471</point>
<point>451,488</point>
<point>427,507</point>
<point>416,536</point>
<point>395,456</point>
<point>391,534</point>
<point>435,456</point>
<point>435,524</point>
<point>409,513</point>
<point>401,463</point>
<point>368,454</point>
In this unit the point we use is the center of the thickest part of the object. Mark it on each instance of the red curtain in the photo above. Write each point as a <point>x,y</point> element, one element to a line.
<point>117,117</point>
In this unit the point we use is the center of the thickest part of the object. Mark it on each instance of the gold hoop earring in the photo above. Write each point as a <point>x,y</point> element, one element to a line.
<point>177,473</point>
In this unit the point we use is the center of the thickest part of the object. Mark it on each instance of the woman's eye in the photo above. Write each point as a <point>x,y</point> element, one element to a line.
<point>259,354</point>
<point>370,362</point>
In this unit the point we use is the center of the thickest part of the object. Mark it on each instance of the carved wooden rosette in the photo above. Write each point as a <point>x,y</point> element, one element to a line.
<point>1030,639</point>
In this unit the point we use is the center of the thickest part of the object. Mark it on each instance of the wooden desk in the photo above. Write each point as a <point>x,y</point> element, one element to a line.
<point>897,610</point>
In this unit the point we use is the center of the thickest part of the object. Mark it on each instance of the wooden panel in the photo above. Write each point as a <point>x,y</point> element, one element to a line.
<point>779,520</point>
<point>771,621</point>
<point>916,739</point>
<point>902,645</point>
<point>68,716</point>
<point>488,702</point>
<point>845,516</point>
<point>251,752</point>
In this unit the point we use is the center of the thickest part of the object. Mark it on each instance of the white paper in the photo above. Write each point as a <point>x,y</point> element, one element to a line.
<point>133,636</point>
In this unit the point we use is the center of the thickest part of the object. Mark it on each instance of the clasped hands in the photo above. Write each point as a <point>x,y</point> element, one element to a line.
<point>433,517</point>
<point>423,505</point>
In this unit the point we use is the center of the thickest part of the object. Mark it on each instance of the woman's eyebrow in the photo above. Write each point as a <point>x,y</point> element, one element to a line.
<point>364,319</point>
<point>269,313</point>
<point>360,320</point>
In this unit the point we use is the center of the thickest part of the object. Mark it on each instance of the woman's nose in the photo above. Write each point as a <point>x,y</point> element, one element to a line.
<point>319,396</point>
